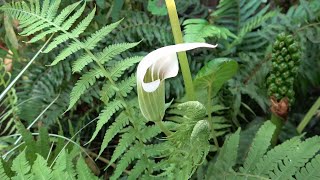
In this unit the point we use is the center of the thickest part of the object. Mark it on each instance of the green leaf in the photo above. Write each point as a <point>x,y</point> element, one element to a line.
<point>215,73</point>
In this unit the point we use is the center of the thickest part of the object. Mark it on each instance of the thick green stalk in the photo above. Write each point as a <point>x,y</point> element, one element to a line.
<point>278,121</point>
<point>309,115</point>
<point>183,60</point>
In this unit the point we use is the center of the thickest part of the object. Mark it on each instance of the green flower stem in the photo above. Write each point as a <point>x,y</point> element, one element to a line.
<point>309,115</point>
<point>278,121</point>
<point>183,60</point>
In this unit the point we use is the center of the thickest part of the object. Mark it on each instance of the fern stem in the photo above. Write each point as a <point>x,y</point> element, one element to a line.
<point>309,115</point>
<point>183,59</point>
<point>3,94</point>
<point>213,133</point>
<point>278,121</point>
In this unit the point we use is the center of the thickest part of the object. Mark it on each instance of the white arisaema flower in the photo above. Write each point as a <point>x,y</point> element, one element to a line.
<point>152,70</point>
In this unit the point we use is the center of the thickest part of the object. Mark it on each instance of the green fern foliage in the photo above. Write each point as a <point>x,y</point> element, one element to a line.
<point>288,160</point>
<point>8,106</point>
<point>138,25</point>
<point>196,30</point>
<point>37,160</point>
<point>41,170</point>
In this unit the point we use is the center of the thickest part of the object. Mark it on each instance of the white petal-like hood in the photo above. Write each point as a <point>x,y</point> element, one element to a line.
<point>162,64</point>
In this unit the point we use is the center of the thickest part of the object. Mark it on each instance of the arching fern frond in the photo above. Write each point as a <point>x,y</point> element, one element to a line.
<point>285,161</point>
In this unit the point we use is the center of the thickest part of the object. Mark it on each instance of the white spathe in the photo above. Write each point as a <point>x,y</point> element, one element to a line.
<point>163,64</point>
<point>152,70</point>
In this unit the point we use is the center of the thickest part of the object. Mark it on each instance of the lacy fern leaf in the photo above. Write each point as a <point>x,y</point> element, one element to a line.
<point>285,161</point>
<point>21,166</point>
<point>106,114</point>
<point>40,169</point>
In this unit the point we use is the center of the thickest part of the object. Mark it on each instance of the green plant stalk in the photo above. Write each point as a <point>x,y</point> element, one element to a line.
<point>278,121</point>
<point>183,59</point>
<point>309,115</point>
<point>212,131</point>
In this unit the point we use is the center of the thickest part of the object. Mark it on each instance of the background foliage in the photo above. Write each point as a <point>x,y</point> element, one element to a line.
<point>82,90</point>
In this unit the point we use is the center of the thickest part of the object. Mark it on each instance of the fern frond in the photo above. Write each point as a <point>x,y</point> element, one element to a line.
<point>53,8</point>
<point>120,122</point>
<point>133,153</point>
<point>311,170</point>
<point>70,21</point>
<point>66,26</point>
<point>29,141</point>
<point>113,50</point>
<point>106,55</point>
<point>82,26</point>
<point>227,156</point>
<point>196,30</point>
<point>92,41</point>
<point>83,171</point>
<point>71,49</point>
<point>45,8</point>
<point>138,25</point>
<point>259,146</point>
<point>125,141</point>
<point>105,115</point>
<point>81,62</point>
<point>64,13</point>
<point>85,81</point>
<point>123,65</point>
<point>43,142</point>
<point>21,166</point>
<point>149,132</point>
<point>60,166</point>
<point>138,169</point>
<point>255,21</point>
<point>283,162</point>
<point>56,41</point>
<point>296,159</point>
<point>2,173</point>
<point>40,169</point>
<point>126,86</point>
<point>270,160</point>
